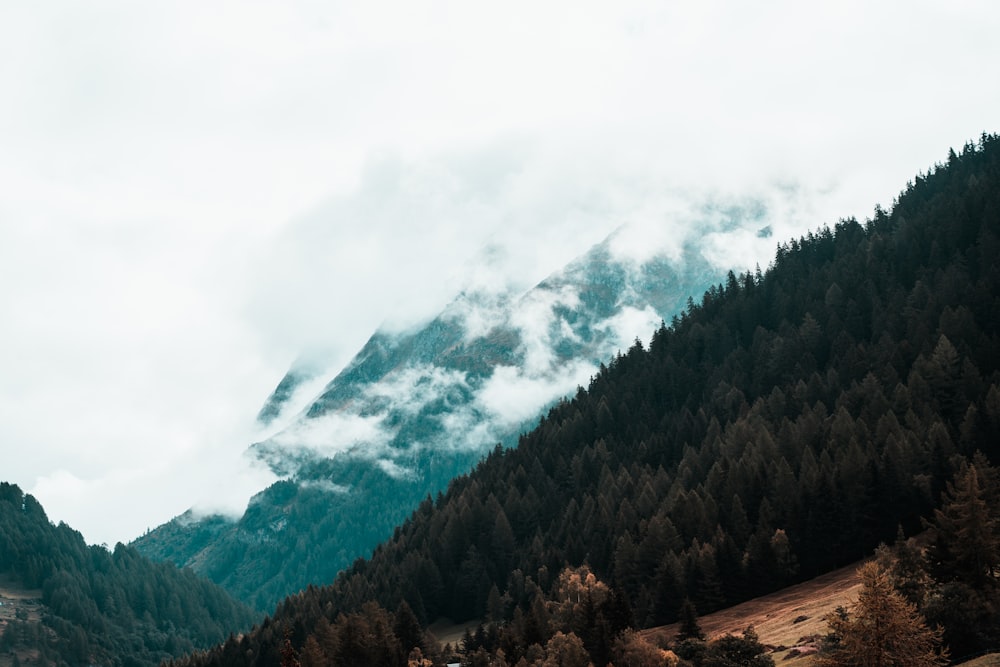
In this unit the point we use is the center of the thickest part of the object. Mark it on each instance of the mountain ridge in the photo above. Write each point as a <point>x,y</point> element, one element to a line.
<point>415,408</point>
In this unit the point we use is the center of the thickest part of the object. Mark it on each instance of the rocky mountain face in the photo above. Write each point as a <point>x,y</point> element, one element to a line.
<point>414,409</point>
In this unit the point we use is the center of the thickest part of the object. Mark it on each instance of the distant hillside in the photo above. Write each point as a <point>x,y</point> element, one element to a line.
<point>62,602</point>
<point>412,410</point>
<point>777,430</point>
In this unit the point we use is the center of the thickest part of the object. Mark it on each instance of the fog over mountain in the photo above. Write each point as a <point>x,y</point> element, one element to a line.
<point>483,367</point>
<point>195,195</point>
<point>415,407</point>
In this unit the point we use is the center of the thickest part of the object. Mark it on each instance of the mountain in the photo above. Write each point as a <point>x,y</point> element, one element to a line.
<point>781,428</point>
<point>414,409</point>
<point>62,602</point>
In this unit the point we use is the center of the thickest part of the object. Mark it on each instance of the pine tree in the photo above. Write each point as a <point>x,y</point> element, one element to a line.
<point>964,559</point>
<point>966,546</point>
<point>882,630</point>
<point>289,656</point>
<point>689,622</point>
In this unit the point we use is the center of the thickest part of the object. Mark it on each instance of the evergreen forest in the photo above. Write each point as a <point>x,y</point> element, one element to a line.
<point>785,425</point>
<point>100,607</point>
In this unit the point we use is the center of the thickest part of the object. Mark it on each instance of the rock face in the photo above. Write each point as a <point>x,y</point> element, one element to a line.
<point>412,410</point>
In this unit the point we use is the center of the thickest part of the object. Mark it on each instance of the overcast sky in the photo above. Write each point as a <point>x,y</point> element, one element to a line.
<point>192,194</point>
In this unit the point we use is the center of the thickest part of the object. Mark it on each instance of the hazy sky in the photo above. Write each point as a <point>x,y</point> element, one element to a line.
<point>195,193</point>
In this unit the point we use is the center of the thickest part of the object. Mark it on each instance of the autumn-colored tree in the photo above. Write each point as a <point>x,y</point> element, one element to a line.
<point>882,630</point>
<point>907,567</point>
<point>565,650</point>
<point>576,592</point>
<point>417,659</point>
<point>631,650</point>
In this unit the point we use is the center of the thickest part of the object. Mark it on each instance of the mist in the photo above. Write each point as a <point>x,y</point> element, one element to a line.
<point>196,197</point>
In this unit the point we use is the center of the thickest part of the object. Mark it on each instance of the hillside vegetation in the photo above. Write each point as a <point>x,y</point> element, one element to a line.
<point>780,428</point>
<point>79,605</point>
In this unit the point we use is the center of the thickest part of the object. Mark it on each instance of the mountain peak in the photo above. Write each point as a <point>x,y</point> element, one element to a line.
<point>416,407</point>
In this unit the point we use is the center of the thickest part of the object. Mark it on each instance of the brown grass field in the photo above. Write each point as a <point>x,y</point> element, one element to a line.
<point>792,617</point>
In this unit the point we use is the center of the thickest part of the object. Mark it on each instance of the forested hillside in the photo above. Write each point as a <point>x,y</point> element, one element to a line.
<point>100,607</point>
<point>434,400</point>
<point>781,427</point>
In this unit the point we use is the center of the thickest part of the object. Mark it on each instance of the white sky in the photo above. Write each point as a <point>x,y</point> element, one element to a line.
<point>194,193</point>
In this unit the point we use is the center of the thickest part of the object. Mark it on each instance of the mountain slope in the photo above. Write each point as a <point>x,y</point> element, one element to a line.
<point>91,606</point>
<point>414,409</point>
<point>778,430</point>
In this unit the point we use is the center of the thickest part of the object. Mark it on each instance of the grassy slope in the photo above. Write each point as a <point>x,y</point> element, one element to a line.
<point>991,660</point>
<point>778,618</point>
<point>793,617</point>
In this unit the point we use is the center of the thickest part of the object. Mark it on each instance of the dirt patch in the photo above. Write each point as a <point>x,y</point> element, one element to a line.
<point>12,590</point>
<point>18,602</point>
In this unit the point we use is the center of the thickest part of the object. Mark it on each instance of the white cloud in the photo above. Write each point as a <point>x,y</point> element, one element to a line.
<point>511,396</point>
<point>393,469</point>
<point>361,427</point>
<point>195,193</point>
<point>410,389</point>
<point>536,319</point>
<point>324,485</point>
<point>335,433</point>
<point>631,323</point>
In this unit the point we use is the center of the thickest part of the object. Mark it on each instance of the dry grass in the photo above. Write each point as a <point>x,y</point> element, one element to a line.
<point>991,660</point>
<point>789,618</point>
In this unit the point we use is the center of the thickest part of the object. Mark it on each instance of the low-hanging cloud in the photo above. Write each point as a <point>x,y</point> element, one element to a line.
<point>334,433</point>
<point>197,194</point>
<point>512,396</point>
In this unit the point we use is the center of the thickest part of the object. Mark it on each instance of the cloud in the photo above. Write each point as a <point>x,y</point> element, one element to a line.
<point>335,433</point>
<point>393,469</point>
<point>196,194</point>
<point>324,485</point>
<point>366,425</point>
<point>536,319</point>
<point>479,314</point>
<point>629,324</point>
<point>512,396</point>
<point>409,390</point>
<point>71,498</point>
